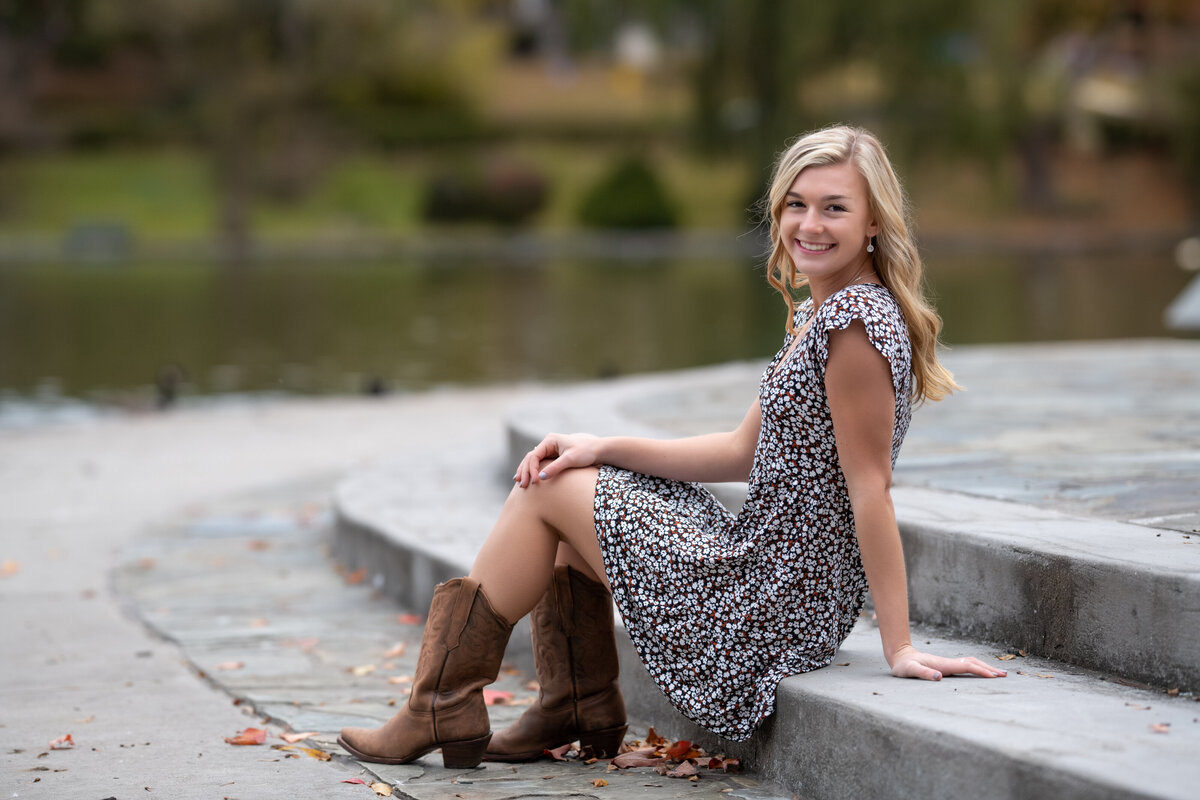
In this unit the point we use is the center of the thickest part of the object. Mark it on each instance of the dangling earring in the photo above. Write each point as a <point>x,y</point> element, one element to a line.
<point>871,245</point>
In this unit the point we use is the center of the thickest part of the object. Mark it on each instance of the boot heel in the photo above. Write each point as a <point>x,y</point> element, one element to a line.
<point>465,754</point>
<point>604,743</point>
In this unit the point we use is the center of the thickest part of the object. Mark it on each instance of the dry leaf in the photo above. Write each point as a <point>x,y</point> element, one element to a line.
<point>396,651</point>
<point>319,755</point>
<point>62,743</point>
<point>230,665</point>
<point>1043,675</point>
<point>654,738</point>
<point>408,619</point>
<point>533,686</point>
<point>258,622</point>
<point>1137,707</point>
<point>358,576</point>
<point>85,720</point>
<point>9,567</point>
<point>400,679</point>
<point>292,738</point>
<point>683,750</point>
<point>355,780</point>
<point>598,782</point>
<point>1173,692</point>
<point>1006,657</point>
<point>382,789</point>
<point>685,770</point>
<point>146,563</point>
<point>365,669</point>
<point>1161,727</point>
<point>558,753</point>
<point>496,697</point>
<point>258,544</point>
<point>249,736</point>
<point>638,758</point>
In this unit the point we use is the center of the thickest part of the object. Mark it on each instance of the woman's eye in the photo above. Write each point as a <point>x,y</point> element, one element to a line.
<point>837,208</point>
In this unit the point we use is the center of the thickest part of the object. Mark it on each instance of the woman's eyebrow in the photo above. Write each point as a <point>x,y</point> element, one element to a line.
<point>827,198</point>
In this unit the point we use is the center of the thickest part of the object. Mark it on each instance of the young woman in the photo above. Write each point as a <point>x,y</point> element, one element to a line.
<point>720,607</point>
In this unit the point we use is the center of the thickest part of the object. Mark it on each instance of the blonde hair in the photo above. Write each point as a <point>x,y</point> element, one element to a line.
<point>895,257</point>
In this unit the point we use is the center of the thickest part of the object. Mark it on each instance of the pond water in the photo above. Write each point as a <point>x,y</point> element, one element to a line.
<point>104,333</point>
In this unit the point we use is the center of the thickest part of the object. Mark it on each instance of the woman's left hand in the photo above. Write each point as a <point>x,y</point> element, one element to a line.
<point>909,662</point>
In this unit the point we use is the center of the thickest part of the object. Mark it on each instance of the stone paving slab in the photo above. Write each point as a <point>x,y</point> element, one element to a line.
<point>261,612</point>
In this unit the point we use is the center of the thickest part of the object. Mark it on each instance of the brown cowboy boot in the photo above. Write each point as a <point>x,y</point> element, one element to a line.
<point>461,651</point>
<point>576,657</point>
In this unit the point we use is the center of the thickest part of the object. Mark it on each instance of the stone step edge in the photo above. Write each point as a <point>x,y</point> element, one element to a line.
<point>830,736</point>
<point>1109,596</point>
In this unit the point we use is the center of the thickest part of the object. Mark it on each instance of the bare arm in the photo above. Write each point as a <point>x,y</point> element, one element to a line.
<point>712,457</point>
<point>858,384</point>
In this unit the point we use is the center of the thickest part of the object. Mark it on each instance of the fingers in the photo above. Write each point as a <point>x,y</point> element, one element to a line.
<point>933,668</point>
<point>973,666</point>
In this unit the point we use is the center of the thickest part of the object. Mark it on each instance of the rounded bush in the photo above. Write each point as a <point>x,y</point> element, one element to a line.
<point>629,196</point>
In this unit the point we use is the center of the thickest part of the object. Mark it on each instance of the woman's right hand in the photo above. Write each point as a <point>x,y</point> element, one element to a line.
<point>555,453</point>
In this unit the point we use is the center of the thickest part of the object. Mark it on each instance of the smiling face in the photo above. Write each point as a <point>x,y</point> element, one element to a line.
<point>826,224</point>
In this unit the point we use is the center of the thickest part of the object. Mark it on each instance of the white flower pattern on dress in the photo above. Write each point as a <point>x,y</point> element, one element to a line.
<point>722,607</point>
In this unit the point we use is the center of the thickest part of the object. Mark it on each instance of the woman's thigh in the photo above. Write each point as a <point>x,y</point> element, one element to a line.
<point>566,504</point>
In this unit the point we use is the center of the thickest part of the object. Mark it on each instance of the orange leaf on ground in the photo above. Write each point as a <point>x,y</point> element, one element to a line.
<point>292,738</point>
<point>355,780</point>
<point>654,738</point>
<point>1006,657</point>
<point>1160,727</point>
<point>408,619</point>
<point>259,622</point>
<point>311,752</point>
<point>358,576</point>
<point>9,567</point>
<point>400,679</point>
<point>230,665</point>
<point>683,749</point>
<point>63,743</point>
<point>725,764</point>
<point>249,736</point>
<point>382,789</point>
<point>396,651</point>
<point>495,697</point>
<point>598,782</point>
<point>365,669</point>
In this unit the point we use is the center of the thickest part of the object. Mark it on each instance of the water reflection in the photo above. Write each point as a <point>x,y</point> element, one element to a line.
<point>335,328</point>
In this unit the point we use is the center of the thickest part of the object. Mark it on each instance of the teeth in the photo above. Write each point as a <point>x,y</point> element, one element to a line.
<point>815,248</point>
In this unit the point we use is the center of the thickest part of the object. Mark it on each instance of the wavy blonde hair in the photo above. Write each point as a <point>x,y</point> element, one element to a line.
<point>895,257</point>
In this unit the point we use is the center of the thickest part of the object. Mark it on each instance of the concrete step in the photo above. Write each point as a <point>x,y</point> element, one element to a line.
<point>850,730</point>
<point>1100,594</point>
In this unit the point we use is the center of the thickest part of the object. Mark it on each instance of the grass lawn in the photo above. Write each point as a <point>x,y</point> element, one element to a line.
<point>168,194</point>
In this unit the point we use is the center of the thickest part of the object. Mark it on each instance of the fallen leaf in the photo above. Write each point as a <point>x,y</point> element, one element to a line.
<point>358,576</point>
<point>365,669</point>
<point>86,720</point>
<point>408,619</point>
<point>683,750</point>
<point>248,736</point>
<point>292,738</point>
<point>1137,707</point>
<point>533,686</point>
<point>396,651</point>
<point>843,664</point>
<point>495,697</point>
<point>230,665</point>
<point>258,544</point>
<point>9,567</point>
<point>1022,653</point>
<point>400,679</point>
<point>258,622</point>
<point>1160,727</point>
<point>685,770</point>
<point>311,752</point>
<point>355,780</point>
<point>1006,657</point>
<point>62,743</point>
<point>598,782</point>
<point>1173,692</point>
<point>382,789</point>
<point>146,563</point>
<point>638,758</point>
<point>559,753</point>
<point>1043,675</point>
<point>654,738</point>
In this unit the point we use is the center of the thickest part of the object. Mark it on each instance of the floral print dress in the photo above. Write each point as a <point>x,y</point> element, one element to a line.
<point>721,607</point>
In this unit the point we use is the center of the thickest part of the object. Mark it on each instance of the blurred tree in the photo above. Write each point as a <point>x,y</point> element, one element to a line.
<point>267,86</point>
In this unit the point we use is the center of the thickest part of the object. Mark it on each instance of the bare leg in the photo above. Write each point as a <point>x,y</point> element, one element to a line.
<point>539,524</point>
